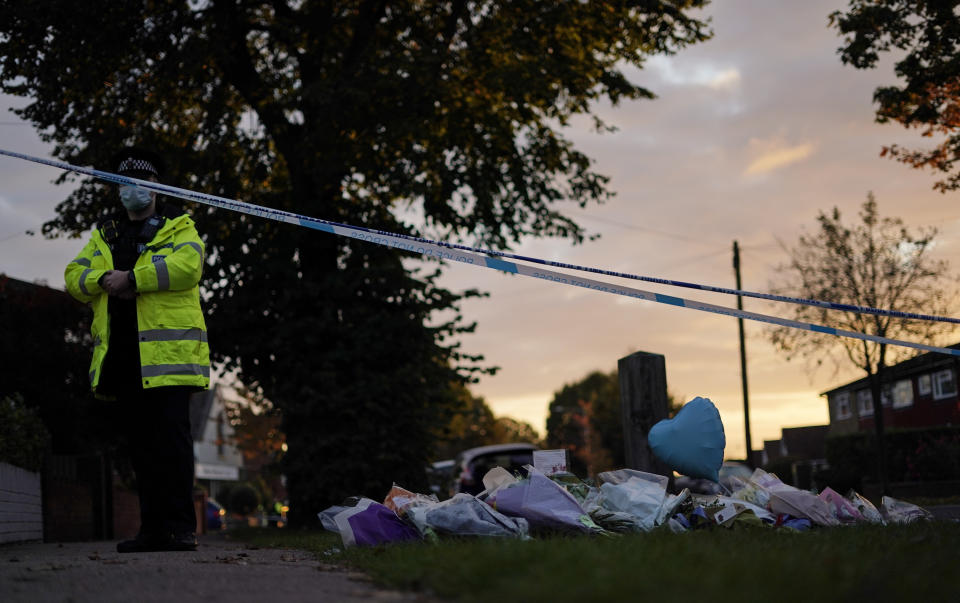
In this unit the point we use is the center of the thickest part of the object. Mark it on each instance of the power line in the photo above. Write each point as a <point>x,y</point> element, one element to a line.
<point>693,259</point>
<point>662,233</point>
<point>12,236</point>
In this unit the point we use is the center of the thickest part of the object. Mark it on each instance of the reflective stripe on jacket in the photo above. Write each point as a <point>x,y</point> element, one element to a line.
<point>172,332</point>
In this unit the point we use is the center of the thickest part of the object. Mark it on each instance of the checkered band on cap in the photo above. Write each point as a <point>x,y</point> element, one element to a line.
<point>137,165</point>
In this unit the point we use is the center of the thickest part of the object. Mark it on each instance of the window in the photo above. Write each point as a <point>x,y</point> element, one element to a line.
<point>903,394</point>
<point>864,403</point>
<point>886,394</point>
<point>944,385</point>
<point>842,406</point>
<point>923,385</point>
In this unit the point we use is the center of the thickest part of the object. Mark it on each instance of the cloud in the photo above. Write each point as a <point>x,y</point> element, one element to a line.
<point>703,74</point>
<point>728,78</point>
<point>772,159</point>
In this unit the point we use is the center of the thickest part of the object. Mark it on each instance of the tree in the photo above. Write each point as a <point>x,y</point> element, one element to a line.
<point>258,435</point>
<point>429,118</point>
<point>586,418</point>
<point>257,426</point>
<point>877,263</point>
<point>472,423</point>
<point>928,33</point>
<point>508,430</point>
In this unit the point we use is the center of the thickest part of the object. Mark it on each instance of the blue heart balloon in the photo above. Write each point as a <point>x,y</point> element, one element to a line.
<point>692,442</point>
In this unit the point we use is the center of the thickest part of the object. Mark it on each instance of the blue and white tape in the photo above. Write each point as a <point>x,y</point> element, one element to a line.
<point>471,255</point>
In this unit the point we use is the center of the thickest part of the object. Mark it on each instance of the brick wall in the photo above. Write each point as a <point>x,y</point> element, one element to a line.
<point>126,513</point>
<point>83,501</point>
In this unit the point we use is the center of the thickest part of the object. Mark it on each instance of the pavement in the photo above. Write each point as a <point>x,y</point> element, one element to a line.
<point>219,570</point>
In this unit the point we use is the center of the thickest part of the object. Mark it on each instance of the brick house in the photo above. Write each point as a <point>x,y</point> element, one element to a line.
<point>803,447</point>
<point>805,443</point>
<point>919,392</point>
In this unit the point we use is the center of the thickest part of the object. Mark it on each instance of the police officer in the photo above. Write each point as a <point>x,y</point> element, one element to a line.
<point>140,271</point>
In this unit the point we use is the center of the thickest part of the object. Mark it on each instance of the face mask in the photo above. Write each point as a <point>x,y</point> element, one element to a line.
<point>134,198</point>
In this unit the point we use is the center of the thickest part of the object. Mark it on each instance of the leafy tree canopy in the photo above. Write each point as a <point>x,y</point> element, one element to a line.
<point>472,423</point>
<point>586,418</point>
<point>925,35</point>
<point>437,118</point>
<point>257,427</point>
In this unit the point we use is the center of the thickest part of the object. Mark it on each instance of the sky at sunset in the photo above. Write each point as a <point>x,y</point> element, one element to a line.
<point>752,133</point>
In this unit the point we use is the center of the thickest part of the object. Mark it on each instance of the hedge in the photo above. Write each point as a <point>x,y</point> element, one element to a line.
<point>23,437</point>
<point>913,455</point>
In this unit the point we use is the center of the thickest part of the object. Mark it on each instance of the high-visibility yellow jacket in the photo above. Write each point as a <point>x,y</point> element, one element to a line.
<point>171,329</point>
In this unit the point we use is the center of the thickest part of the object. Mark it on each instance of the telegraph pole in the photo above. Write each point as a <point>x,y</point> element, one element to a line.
<point>743,357</point>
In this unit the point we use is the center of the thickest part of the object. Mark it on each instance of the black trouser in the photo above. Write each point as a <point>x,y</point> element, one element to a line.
<point>157,426</point>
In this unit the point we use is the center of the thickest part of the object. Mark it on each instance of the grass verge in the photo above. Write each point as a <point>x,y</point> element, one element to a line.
<point>864,563</point>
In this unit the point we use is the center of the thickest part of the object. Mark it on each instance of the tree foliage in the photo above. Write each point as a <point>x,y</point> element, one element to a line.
<point>430,118</point>
<point>878,263</point>
<point>925,35</point>
<point>472,423</point>
<point>586,418</point>
<point>257,427</point>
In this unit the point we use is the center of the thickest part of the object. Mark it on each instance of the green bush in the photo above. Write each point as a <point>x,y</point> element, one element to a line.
<point>928,455</point>
<point>244,499</point>
<point>23,437</point>
<point>224,489</point>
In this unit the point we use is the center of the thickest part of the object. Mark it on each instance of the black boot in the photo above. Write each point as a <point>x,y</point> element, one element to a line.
<point>183,541</point>
<point>143,543</point>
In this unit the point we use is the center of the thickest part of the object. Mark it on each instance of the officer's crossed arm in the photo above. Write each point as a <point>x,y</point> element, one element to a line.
<point>83,274</point>
<point>179,269</point>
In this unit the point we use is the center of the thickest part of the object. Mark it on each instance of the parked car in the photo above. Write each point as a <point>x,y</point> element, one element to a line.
<point>728,470</point>
<point>471,465</point>
<point>439,476</point>
<point>215,515</point>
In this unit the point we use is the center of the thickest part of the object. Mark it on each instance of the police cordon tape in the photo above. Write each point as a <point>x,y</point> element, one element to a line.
<point>710,288</point>
<point>471,255</point>
<point>651,279</point>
